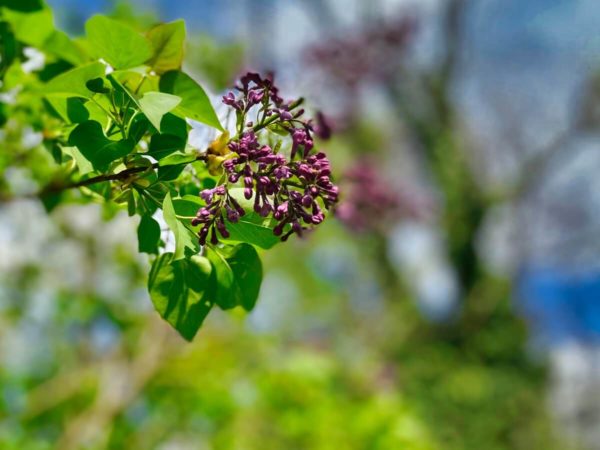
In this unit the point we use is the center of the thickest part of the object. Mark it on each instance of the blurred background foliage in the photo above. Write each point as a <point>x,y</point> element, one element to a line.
<point>389,334</point>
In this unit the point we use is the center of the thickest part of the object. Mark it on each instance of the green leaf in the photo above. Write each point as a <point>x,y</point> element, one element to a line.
<point>184,238</point>
<point>162,145</point>
<point>118,44</point>
<point>168,40</point>
<point>195,104</point>
<point>155,105</point>
<point>71,109</point>
<point>37,29</point>
<point>188,205</point>
<point>9,47</point>
<point>89,138</point>
<point>74,82</point>
<point>175,126</point>
<point>32,28</point>
<point>139,127</point>
<point>251,228</point>
<point>22,5</point>
<point>120,88</point>
<point>61,45</point>
<point>97,110</point>
<point>97,85</point>
<point>177,159</point>
<point>238,272</point>
<point>83,164</point>
<point>148,235</point>
<point>182,292</point>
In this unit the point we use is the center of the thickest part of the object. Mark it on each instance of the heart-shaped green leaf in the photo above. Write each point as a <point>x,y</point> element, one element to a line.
<point>168,40</point>
<point>182,292</point>
<point>238,272</point>
<point>89,138</point>
<point>155,105</point>
<point>195,104</point>
<point>118,44</point>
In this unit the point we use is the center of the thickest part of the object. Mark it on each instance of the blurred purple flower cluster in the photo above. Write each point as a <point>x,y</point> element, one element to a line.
<point>371,202</point>
<point>293,189</point>
<point>373,54</point>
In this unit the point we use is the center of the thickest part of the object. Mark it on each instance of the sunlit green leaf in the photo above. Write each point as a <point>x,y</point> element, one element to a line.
<point>177,159</point>
<point>155,105</point>
<point>195,104</point>
<point>184,238</point>
<point>118,44</point>
<point>32,28</point>
<point>74,82</point>
<point>61,45</point>
<point>168,41</point>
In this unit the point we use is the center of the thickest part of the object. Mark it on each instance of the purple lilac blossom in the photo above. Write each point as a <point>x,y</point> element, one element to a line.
<point>294,190</point>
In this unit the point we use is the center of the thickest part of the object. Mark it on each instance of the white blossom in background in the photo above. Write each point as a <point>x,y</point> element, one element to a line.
<point>35,60</point>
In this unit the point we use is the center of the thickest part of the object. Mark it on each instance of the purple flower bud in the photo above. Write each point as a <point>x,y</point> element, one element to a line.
<point>229,165</point>
<point>283,172</point>
<point>247,193</point>
<point>237,206</point>
<point>214,239</point>
<point>307,201</point>
<point>255,97</point>
<point>278,230</point>
<point>285,115</point>
<point>230,100</point>
<point>202,235</point>
<point>222,228</point>
<point>232,215</point>
<point>207,195</point>
<point>297,227</point>
<point>318,218</point>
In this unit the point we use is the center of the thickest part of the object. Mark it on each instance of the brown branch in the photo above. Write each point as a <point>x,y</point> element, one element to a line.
<point>53,188</point>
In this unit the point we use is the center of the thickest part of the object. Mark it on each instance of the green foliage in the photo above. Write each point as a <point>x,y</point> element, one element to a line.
<point>184,238</point>
<point>89,138</point>
<point>238,272</point>
<point>148,235</point>
<point>118,44</point>
<point>155,105</point>
<point>168,41</point>
<point>77,82</point>
<point>182,292</point>
<point>112,109</point>
<point>195,104</point>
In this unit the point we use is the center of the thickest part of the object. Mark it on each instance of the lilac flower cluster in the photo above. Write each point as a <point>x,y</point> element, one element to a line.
<point>371,54</point>
<point>293,189</point>
<point>371,203</point>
